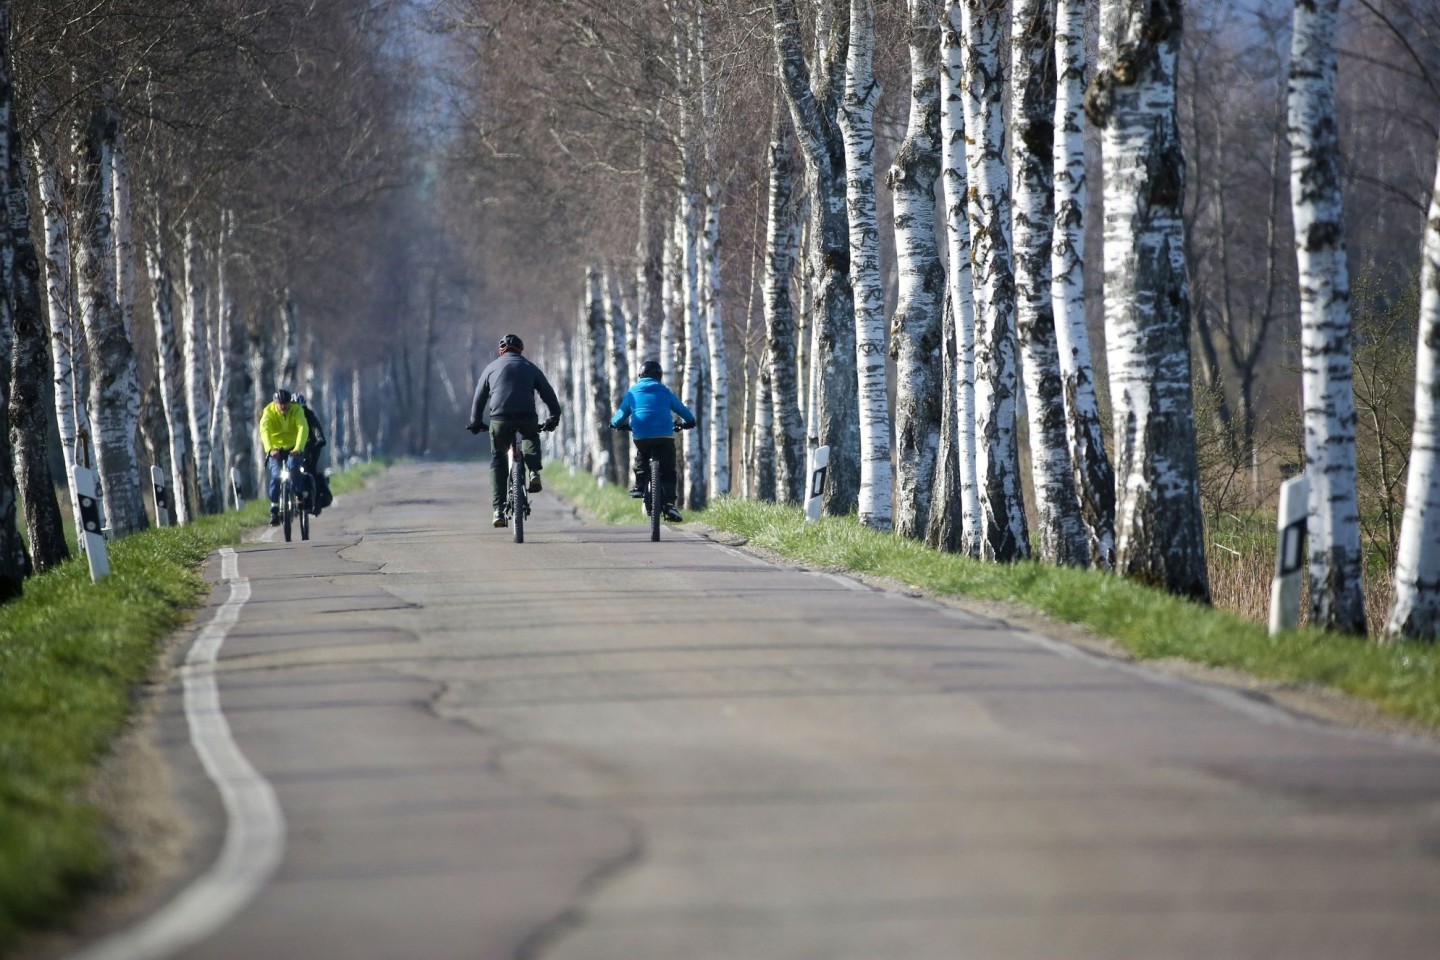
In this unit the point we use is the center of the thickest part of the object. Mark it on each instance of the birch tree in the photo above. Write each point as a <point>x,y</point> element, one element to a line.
<point>1094,478</point>
<point>618,366</point>
<point>916,326</point>
<point>1337,598</point>
<point>195,317</point>
<point>114,377</point>
<point>780,342</point>
<point>1160,534</point>
<point>1005,535</point>
<point>598,389</point>
<point>857,116</point>
<point>169,365</point>
<point>1032,103</point>
<point>1415,613</point>
<point>959,278</point>
<point>718,425</point>
<point>814,101</point>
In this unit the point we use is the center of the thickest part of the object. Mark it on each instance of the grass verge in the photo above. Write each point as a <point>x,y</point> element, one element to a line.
<point>1402,679</point>
<point>71,655</point>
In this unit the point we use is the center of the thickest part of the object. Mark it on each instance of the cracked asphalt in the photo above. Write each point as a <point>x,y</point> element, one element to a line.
<point>592,747</point>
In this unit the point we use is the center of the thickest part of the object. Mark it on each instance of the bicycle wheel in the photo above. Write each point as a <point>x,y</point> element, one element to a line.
<point>287,508</point>
<point>517,497</point>
<point>304,521</point>
<point>652,500</point>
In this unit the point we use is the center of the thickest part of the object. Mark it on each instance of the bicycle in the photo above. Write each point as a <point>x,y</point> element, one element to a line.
<point>517,500</point>
<point>293,504</point>
<point>651,493</point>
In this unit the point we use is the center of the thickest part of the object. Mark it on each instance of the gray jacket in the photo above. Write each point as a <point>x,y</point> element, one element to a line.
<point>507,389</point>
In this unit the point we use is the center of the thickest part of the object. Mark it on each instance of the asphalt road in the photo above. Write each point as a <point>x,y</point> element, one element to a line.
<point>592,747</point>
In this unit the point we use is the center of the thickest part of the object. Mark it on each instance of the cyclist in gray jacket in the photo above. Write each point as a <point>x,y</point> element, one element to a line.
<point>505,402</point>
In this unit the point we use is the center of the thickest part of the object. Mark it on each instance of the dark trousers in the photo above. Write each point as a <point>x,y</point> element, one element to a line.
<point>502,434</point>
<point>662,449</point>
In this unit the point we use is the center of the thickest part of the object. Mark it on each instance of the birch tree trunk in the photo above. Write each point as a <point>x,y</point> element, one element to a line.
<point>671,285</point>
<point>763,476</point>
<point>1032,101</point>
<point>619,368</point>
<point>169,366</point>
<point>598,392</point>
<point>238,424</point>
<point>221,445</point>
<point>1094,478</point>
<point>959,279</point>
<point>121,211</point>
<point>114,379</point>
<point>262,378</point>
<point>1415,613</point>
<point>857,116</point>
<point>29,413</point>
<point>718,424</point>
<point>60,293</point>
<point>780,341</point>
<point>694,341</point>
<point>814,104</point>
<point>916,327</point>
<point>1004,535</point>
<point>290,337</point>
<point>1337,597</point>
<point>1160,533</point>
<point>14,561</point>
<point>945,529</point>
<point>197,372</point>
<point>649,274</point>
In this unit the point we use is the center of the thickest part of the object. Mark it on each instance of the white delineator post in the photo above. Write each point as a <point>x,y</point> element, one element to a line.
<point>90,523</point>
<point>162,497</point>
<point>1289,555</point>
<point>814,496</point>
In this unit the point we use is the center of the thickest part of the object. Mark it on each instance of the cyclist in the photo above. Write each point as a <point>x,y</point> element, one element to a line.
<point>505,401</point>
<point>284,432</point>
<point>650,406</point>
<point>313,446</point>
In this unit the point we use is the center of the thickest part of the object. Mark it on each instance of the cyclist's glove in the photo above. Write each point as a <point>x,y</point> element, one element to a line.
<point>551,423</point>
<point>475,427</point>
<point>689,426</point>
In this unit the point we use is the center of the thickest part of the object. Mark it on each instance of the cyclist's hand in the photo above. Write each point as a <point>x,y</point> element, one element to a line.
<point>550,424</point>
<point>276,454</point>
<point>622,427</point>
<point>475,427</point>
<point>689,426</point>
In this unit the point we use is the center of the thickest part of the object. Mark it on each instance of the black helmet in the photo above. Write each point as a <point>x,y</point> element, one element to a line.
<point>511,342</point>
<point>283,396</point>
<point>650,369</point>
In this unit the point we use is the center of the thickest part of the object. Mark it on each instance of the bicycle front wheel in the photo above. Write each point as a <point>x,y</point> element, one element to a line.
<point>287,508</point>
<point>517,499</point>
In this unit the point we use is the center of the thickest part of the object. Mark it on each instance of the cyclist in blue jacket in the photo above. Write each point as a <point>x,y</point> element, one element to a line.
<point>651,407</point>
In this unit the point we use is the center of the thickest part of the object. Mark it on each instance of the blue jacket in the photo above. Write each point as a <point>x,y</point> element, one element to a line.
<point>649,405</point>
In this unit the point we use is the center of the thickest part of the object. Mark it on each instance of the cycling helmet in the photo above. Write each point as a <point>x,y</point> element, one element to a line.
<point>511,342</point>
<point>283,396</point>
<point>650,369</point>
<point>300,399</point>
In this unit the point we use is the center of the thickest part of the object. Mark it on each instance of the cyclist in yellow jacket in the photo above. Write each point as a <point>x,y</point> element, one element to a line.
<point>283,433</point>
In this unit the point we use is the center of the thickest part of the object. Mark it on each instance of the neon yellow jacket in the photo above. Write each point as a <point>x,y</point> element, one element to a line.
<point>284,431</point>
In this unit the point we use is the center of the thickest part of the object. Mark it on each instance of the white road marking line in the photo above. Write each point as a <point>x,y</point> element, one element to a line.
<point>255,831</point>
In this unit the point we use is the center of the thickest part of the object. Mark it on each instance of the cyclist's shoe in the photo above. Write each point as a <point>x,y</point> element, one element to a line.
<point>534,483</point>
<point>670,513</point>
<point>637,492</point>
<point>500,520</point>
<point>274,515</point>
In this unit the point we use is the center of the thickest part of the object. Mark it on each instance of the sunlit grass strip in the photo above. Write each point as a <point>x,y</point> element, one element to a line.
<point>1403,679</point>
<point>71,655</point>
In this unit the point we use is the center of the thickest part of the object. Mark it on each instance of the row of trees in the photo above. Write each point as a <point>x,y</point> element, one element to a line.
<point>186,189</point>
<point>986,322</point>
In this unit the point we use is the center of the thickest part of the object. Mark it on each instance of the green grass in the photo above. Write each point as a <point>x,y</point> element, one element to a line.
<point>72,654</point>
<point>1402,679</point>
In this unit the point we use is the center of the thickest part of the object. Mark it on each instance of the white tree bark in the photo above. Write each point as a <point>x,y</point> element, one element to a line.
<point>60,298</point>
<point>960,275</point>
<point>1160,533</point>
<point>124,245</point>
<point>169,367</point>
<point>290,338</point>
<point>694,338</point>
<point>114,376</point>
<point>1032,126</point>
<point>1415,613</point>
<point>598,347</point>
<point>1094,478</point>
<point>671,286</point>
<point>857,116</point>
<point>917,325</point>
<point>619,367</point>
<point>1337,596</point>
<point>1005,535</point>
<point>197,371</point>
<point>780,332</point>
<point>717,426</point>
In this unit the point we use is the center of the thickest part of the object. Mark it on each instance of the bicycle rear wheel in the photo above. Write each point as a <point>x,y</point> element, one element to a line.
<point>287,508</point>
<point>517,497</point>
<point>652,500</point>
<point>304,521</point>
